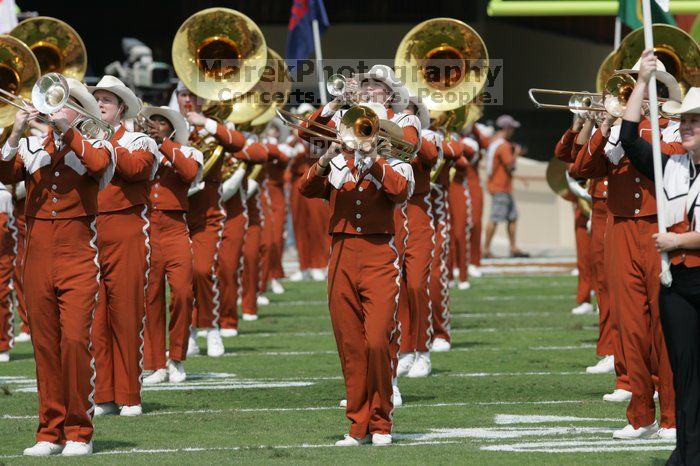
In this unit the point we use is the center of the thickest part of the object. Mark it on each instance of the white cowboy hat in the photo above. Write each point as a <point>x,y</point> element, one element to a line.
<point>674,90</point>
<point>182,133</point>
<point>81,93</point>
<point>118,88</point>
<point>691,103</point>
<point>386,75</point>
<point>422,111</point>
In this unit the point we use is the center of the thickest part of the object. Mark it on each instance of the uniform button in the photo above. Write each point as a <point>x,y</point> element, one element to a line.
<point>157,185</point>
<point>157,177</point>
<point>605,193</point>
<point>155,195</point>
<point>636,195</point>
<point>637,180</point>
<point>358,202</point>
<point>56,173</point>
<point>605,182</point>
<point>358,229</point>
<point>53,213</point>
<point>361,189</point>
<point>54,200</point>
<point>358,215</point>
<point>53,186</point>
<point>636,211</point>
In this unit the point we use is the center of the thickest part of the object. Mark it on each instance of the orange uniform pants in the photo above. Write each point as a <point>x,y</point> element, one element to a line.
<point>120,319</point>
<point>267,240</point>
<point>415,313</point>
<point>251,268</point>
<point>206,234</point>
<point>363,289</point>
<point>278,207</point>
<point>7,259</point>
<point>460,220</point>
<point>171,259</point>
<point>476,194</point>
<point>61,278</point>
<point>17,285</point>
<point>231,267</point>
<point>310,219</point>
<point>634,284</point>
<point>599,220</point>
<point>583,256</point>
<point>439,284</point>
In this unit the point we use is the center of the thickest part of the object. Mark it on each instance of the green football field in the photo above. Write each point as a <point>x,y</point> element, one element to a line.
<point>512,391</point>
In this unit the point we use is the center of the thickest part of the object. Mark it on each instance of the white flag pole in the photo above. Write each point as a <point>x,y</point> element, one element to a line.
<point>656,145</point>
<point>319,59</point>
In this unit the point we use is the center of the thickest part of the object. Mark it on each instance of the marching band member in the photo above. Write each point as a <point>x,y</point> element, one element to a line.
<point>362,190</point>
<point>476,194</point>
<point>237,234</point>
<point>276,169</point>
<point>633,268</point>
<point>8,235</point>
<point>460,204</point>
<point>254,248</point>
<point>179,167</point>
<point>679,303</point>
<point>206,219</point>
<point>309,216</point>
<point>501,157</point>
<point>415,237</point>
<point>123,241</point>
<point>451,150</point>
<point>63,174</point>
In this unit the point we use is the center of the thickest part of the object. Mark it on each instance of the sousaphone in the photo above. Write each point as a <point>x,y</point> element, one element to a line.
<point>57,46</point>
<point>19,70</point>
<point>444,61</point>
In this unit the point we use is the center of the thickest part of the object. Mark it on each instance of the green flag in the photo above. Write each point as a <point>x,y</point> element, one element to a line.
<point>630,13</point>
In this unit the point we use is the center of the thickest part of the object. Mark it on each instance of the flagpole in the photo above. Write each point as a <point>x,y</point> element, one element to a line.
<point>319,59</point>
<point>656,145</point>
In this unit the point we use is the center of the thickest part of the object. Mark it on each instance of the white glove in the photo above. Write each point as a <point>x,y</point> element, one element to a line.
<point>252,187</point>
<point>233,184</point>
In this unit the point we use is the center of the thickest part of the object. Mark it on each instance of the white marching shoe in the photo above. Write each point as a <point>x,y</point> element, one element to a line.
<point>422,366</point>
<point>43,449</point>
<point>406,360</point>
<point>475,271</point>
<point>666,433</point>
<point>215,347</point>
<point>104,409</point>
<point>318,275</point>
<point>176,372</point>
<point>298,276</point>
<point>352,442</point>
<point>381,439</point>
<point>192,347</point>
<point>228,332</point>
<point>4,356</point>
<point>440,345</point>
<point>463,286</point>
<point>396,398</point>
<point>630,433</point>
<point>583,308</point>
<point>23,337</point>
<point>77,449</point>
<point>263,300</point>
<point>250,317</point>
<point>158,376</point>
<point>276,286</point>
<point>343,403</point>
<point>605,366</point>
<point>618,395</point>
<point>135,410</point>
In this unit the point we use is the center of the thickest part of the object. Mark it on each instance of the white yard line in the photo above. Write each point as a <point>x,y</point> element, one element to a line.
<point>539,419</point>
<point>584,446</point>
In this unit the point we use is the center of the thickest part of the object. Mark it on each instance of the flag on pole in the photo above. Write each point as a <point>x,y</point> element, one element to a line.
<point>300,38</point>
<point>630,12</point>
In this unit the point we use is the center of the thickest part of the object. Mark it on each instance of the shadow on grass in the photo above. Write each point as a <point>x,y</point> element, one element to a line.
<point>107,445</point>
<point>468,344</point>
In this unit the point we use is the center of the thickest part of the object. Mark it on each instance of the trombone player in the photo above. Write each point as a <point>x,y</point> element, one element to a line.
<point>63,174</point>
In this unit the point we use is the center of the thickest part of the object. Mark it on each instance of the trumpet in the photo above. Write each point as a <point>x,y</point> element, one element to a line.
<point>49,95</point>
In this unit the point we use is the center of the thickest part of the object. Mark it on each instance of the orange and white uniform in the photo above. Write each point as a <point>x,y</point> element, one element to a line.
<point>123,241</point>
<point>63,175</point>
<point>171,253</point>
<point>8,251</point>
<point>461,212</point>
